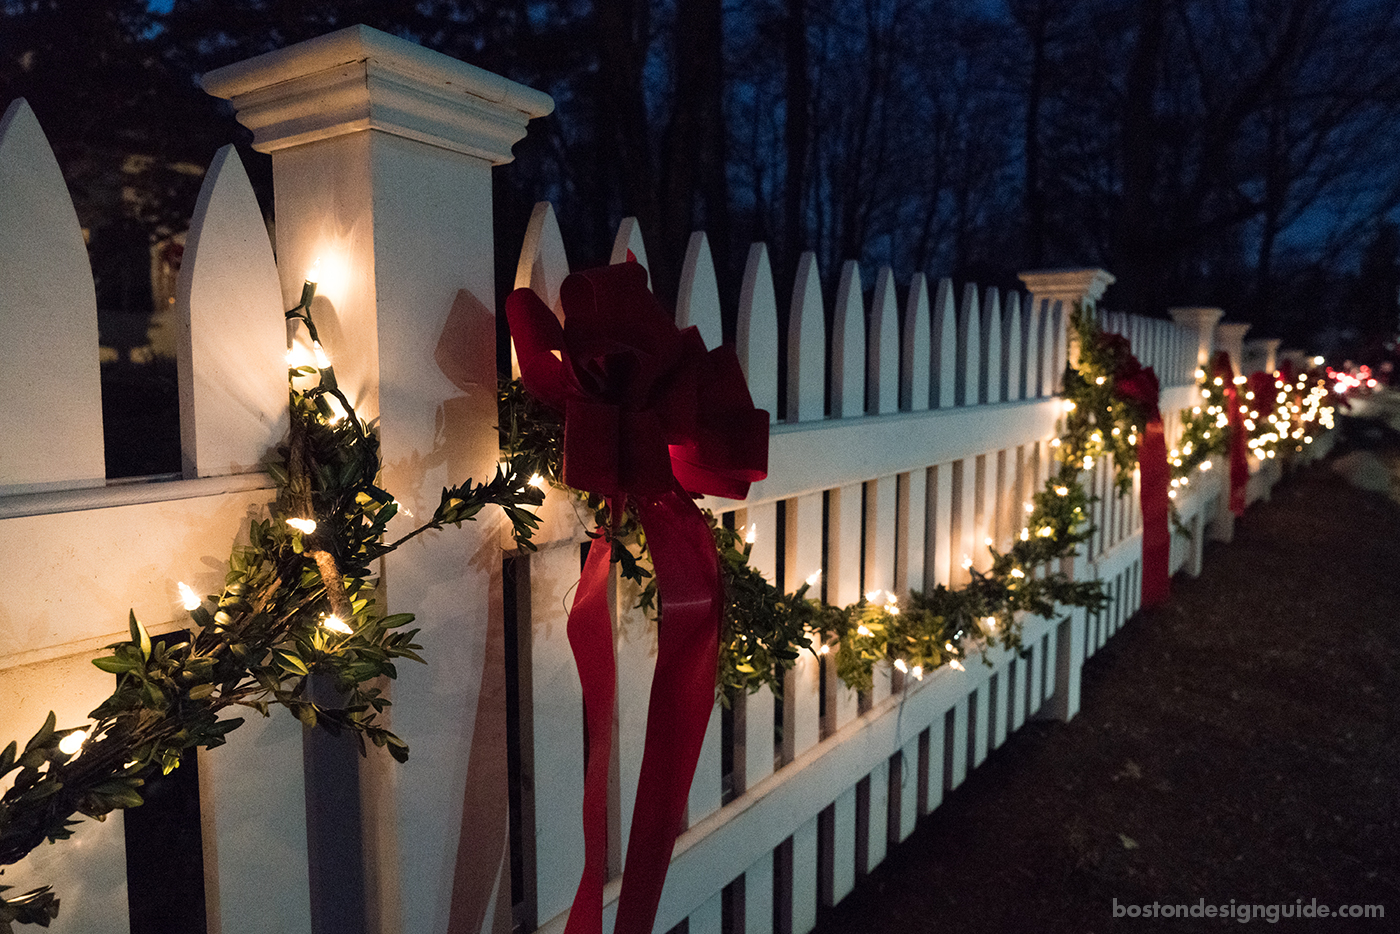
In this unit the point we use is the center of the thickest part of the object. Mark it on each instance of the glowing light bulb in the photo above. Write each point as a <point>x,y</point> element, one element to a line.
<point>1017,573</point>
<point>1219,381</point>
<point>1171,493</point>
<point>337,410</point>
<point>336,624</point>
<point>871,596</point>
<point>1061,491</point>
<point>72,742</point>
<point>1045,531</point>
<point>322,361</point>
<point>1088,463</point>
<point>1204,465</point>
<point>948,646</point>
<point>1029,507</point>
<point>1099,381</point>
<point>918,672</point>
<point>990,622</point>
<point>1318,361</point>
<point>1132,439</point>
<point>188,598</point>
<point>824,649</point>
<point>299,355</point>
<point>313,275</point>
<point>1069,405</point>
<point>303,525</point>
<point>1200,374</point>
<point>814,577</point>
<point>1054,442</point>
<point>539,482</point>
<point>1025,535</point>
<point>751,535</point>
<point>901,666</point>
<point>966,563</point>
<point>956,665</point>
<point>987,541</point>
<point>863,630</point>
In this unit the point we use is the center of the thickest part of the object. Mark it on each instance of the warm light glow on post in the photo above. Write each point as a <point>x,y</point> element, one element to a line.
<point>188,598</point>
<point>336,624</point>
<point>303,525</point>
<point>72,742</point>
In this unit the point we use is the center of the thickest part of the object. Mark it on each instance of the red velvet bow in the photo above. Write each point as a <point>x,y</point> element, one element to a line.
<point>630,387</point>
<point>1139,385</point>
<point>649,417</point>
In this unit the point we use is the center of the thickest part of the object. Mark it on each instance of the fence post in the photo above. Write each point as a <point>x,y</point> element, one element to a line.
<point>1067,286</point>
<point>1230,337</point>
<point>1202,321</point>
<point>382,154</point>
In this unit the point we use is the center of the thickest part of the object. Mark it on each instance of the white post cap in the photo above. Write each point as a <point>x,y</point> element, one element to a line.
<point>360,78</point>
<point>1067,285</point>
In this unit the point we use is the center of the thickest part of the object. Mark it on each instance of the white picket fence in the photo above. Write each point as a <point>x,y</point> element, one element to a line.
<point>941,409</point>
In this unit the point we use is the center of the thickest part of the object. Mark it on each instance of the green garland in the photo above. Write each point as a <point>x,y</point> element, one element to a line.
<point>766,630</point>
<point>297,607</point>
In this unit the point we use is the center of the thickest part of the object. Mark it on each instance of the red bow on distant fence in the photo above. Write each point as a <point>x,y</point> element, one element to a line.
<point>650,416</point>
<point>1224,370</point>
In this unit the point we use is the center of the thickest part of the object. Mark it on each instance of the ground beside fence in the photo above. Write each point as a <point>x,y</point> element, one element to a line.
<point>1240,743</point>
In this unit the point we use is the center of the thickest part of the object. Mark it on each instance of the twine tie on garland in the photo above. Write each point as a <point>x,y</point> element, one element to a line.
<point>650,416</point>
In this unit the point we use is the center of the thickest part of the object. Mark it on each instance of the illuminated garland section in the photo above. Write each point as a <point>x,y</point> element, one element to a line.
<point>1281,414</point>
<point>297,605</point>
<point>766,630</point>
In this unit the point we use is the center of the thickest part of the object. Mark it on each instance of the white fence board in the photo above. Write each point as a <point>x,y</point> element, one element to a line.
<point>52,417</point>
<point>232,340</point>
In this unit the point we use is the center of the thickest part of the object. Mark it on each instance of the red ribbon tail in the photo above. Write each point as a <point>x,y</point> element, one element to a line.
<point>1156,513</point>
<point>682,697</point>
<point>591,638</point>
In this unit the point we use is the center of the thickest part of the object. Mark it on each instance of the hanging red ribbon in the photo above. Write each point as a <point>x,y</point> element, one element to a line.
<point>650,416</point>
<point>1139,385</point>
<point>1239,444</point>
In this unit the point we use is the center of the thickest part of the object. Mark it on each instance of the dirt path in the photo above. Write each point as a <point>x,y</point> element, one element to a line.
<point>1241,742</point>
